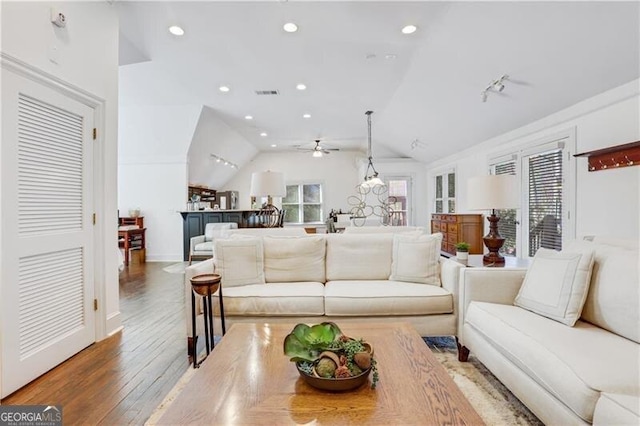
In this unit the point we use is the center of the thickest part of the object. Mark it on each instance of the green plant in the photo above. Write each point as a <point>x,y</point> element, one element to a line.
<point>324,350</point>
<point>462,246</point>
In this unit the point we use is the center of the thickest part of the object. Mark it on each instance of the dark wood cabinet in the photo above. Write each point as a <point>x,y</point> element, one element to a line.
<point>456,228</point>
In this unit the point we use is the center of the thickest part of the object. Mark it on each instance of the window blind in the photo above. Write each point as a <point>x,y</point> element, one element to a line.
<point>507,226</point>
<point>545,201</point>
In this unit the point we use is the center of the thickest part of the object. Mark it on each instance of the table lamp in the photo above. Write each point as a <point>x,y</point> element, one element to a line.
<point>269,184</point>
<point>493,192</point>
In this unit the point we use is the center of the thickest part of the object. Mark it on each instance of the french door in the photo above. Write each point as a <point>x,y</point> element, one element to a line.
<point>47,285</point>
<point>547,180</point>
<point>398,201</point>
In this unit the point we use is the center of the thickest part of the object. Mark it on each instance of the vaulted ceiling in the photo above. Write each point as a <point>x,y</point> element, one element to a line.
<point>425,87</point>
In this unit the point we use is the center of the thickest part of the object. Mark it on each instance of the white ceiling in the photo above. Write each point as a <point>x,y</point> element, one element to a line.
<point>555,53</point>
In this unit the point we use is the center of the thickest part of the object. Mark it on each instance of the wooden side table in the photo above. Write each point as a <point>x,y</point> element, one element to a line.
<point>475,261</point>
<point>205,285</point>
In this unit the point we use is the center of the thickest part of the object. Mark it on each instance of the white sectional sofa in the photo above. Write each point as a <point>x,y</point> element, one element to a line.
<point>336,277</point>
<point>581,374</point>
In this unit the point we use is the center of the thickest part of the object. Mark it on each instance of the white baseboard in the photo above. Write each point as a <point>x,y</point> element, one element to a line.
<point>164,257</point>
<point>114,323</point>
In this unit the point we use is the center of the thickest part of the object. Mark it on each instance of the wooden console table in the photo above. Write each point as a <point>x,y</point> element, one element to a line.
<point>132,239</point>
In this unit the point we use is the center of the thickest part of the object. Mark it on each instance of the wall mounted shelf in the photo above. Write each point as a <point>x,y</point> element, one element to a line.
<point>614,157</point>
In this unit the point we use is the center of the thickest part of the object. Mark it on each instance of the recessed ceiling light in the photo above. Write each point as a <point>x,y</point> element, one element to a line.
<point>409,29</point>
<point>176,30</point>
<point>301,86</point>
<point>290,27</point>
<point>224,88</point>
<point>390,56</point>
<point>263,134</point>
<point>306,115</point>
<point>273,145</point>
<point>248,117</point>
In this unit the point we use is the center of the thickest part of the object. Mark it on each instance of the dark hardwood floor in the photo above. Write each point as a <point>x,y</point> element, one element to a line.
<point>122,379</point>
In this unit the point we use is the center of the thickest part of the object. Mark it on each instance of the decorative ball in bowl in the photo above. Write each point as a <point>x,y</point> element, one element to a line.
<point>134,212</point>
<point>329,360</point>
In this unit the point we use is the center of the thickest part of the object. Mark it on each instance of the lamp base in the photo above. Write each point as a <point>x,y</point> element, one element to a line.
<point>494,242</point>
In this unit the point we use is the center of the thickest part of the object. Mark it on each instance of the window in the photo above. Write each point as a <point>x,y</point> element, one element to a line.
<point>445,200</point>
<point>544,200</point>
<point>399,189</point>
<point>303,203</point>
<point>507,226</point>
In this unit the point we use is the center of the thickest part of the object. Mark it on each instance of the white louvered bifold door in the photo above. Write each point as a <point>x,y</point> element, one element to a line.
<point>47,229</point>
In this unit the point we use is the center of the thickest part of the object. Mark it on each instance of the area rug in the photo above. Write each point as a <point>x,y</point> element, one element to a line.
<point>490,398</point>
<point>177,268</point>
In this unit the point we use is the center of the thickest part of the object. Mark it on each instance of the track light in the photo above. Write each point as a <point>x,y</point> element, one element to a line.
<point>495,86</point>
<point>224,161</point>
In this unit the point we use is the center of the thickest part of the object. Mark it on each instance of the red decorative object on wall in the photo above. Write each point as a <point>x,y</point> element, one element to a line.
<point>613,157</point>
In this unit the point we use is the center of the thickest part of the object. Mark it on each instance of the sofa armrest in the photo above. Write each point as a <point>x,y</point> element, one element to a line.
<point>205,267</point>
<point>450,277</point>
<point>194,241</point>
<point>494,285</point>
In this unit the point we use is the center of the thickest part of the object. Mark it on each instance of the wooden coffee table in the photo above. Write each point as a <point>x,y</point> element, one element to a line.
<point>248,380</point>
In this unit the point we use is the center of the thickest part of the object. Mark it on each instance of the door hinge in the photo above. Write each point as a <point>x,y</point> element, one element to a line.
<point>95,304</point>
<point>95,133</point>
<point>94,218</point>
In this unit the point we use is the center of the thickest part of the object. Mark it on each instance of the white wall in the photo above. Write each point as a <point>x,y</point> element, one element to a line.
<point>86,57</point>
<point>338,172</point>
<point>160,190</point>
<point>606,201</point>
<point>152,171</point>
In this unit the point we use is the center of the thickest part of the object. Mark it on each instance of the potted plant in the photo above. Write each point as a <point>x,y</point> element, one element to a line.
<point>462,251</point>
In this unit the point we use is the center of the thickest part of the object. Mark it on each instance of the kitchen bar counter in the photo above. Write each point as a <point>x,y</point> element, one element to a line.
<point>193,222</point>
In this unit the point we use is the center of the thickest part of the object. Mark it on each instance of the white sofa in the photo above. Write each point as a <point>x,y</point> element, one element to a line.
<point>343,278</point>
<point>588,373</point>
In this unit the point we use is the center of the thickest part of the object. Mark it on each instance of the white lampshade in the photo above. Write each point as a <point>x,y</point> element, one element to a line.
<point>493,192</point>
<point>268,183</point>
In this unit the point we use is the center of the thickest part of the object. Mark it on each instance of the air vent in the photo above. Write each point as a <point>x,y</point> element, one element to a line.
<point>266,92</point>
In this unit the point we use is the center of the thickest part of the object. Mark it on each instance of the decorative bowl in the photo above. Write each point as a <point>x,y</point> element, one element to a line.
<point>333,384</point>
<point>134,212</point>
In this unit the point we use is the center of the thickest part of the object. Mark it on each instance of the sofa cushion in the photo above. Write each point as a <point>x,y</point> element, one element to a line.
<point>415,259</point>
<point>613,302</point>
<point>275,299</point>
<point>573,364</point>
<point>617,409</point>
<point>556,284</point>
<point>206,246</point>
<point>294,258</point>
<point>240,261</point>
<point>380,298</point>
<point>358,257</point>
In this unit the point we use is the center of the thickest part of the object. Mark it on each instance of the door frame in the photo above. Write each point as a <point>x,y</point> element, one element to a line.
<point>15,65</point>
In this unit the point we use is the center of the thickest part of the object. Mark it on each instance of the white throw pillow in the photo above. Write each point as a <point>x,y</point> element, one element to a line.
<point>415,258</point>
<point>556,284</point>
<point>240,261</point>
<point>290,259</point>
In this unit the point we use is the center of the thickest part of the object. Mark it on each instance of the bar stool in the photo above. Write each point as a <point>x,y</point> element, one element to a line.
<point>205,285</point>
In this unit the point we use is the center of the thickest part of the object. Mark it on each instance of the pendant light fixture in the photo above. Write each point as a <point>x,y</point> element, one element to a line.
<point>370,180</point>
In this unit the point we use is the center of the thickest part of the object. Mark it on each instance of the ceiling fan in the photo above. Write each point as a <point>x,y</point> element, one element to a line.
<point>318,150</point>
